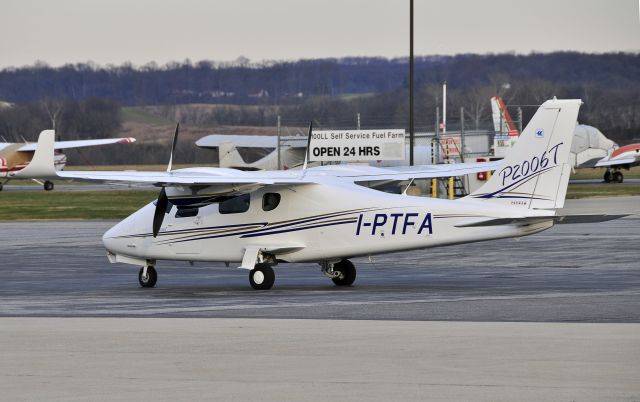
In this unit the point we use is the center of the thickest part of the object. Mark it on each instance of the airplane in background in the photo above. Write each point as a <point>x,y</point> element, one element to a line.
<point>16,156</point>
<point>590,148</point>
<point>259,219</point>
<point>292,152</point>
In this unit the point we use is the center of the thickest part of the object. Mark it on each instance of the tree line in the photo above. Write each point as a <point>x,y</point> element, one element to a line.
<point>276,83</point>
<point>84,101</point>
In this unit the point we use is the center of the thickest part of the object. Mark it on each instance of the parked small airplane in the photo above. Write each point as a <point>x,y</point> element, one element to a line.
<point>16,156</point>
<point>263,218</point>
<point>590,148</point>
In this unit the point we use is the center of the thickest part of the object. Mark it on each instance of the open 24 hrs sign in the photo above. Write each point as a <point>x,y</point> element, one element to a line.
<point>357,145</point>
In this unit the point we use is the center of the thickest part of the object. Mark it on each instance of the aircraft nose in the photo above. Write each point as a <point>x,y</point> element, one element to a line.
<point>113,240</point>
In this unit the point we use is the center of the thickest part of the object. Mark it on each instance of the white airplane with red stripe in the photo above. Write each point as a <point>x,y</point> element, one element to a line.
<point>624,157</point>
<point>256,220</point>
<point>16,156</point>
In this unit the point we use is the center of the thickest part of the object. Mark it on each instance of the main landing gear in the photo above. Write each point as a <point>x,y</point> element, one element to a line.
<point>48,185</point>
<point>148,276</point>
<point>342,273</point>
<point>262,277</point>
<point>613,177</point>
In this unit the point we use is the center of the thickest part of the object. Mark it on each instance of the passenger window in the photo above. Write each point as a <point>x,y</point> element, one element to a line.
<point>270,201</point>
<point>186,212</point>
<point>235,205</point>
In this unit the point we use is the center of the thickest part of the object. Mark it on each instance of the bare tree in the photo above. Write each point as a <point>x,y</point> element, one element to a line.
<point>54,108</point>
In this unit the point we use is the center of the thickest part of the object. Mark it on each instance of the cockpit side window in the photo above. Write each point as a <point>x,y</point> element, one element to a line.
<point>270,201</point>
<point>235,205</point>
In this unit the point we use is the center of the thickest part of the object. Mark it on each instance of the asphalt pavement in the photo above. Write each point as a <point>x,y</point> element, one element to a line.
<point>570,273</point>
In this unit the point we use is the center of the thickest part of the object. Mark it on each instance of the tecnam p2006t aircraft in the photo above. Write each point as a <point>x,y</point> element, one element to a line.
<point>263,218</point>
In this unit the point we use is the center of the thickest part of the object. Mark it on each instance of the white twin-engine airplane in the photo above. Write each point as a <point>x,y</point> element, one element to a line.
<point>263,218</point>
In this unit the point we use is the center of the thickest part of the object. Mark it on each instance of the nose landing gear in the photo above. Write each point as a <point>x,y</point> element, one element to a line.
<point>148,276</point>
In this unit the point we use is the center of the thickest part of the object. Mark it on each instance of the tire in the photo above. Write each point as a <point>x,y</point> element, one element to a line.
<point>262,277</point>
<point>48,185</point>
<point>150,280</point>
<point>618,177</point>
<point>347,271</point>
<point>607,177</point>
<point>1,187</point>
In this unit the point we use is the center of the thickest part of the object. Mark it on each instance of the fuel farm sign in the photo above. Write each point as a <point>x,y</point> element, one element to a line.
<point>357,145</point>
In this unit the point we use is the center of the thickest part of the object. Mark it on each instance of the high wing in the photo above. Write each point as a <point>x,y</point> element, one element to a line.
<point>252,141</point>
<point>358,173</point>
<point>80,143</point>
<point>231,180</point>
<point>249,141</point>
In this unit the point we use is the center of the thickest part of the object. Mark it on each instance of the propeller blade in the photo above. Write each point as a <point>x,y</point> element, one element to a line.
<point>161,209</point>
<point>173,146</point>
<point>306,156</point>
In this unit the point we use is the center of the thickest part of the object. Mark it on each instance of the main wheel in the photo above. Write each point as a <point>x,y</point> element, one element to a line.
<point>1,186</point>
<point>262,277</point>
<point>150,279</point>
<point>347,273</point>
<point>48,185</point>
<point>618,177</point>
<point>607,177</point>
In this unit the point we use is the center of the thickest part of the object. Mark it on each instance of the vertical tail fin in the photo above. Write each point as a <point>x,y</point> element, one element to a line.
<point>229,156</point>
<point>535,173</point>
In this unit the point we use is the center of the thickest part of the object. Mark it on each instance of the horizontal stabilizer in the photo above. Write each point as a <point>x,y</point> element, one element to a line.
<point>531,220</point>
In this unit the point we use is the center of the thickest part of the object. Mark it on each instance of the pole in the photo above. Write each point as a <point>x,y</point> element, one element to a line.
<point>358,121</point>
<point>411,127</point>
<point>436,139</point>
<point>279,161</point>
<point>444,107</point>
<point>462,145</point>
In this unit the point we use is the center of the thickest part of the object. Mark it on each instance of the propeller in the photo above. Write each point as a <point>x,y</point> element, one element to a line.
<point>306,155</point>
<point>163,200</point>
<point>173,146</point>
<point>161,209</point>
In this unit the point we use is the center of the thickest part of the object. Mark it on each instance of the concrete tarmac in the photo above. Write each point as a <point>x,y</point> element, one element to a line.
<point>570,273</point>
<point>315,360</point>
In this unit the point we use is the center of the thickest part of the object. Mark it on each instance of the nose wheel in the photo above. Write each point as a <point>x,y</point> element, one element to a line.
<point>262,277</point>
<point>149,278</point>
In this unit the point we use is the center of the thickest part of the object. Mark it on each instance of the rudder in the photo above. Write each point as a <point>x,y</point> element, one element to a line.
<point>535,174</point>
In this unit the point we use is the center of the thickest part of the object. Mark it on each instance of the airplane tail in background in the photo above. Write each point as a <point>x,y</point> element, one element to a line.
<point>229,156</point>
<point>502,121</point>
<point>535,172</point>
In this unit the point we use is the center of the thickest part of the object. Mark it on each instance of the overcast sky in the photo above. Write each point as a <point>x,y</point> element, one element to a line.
<point>140,31</point>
